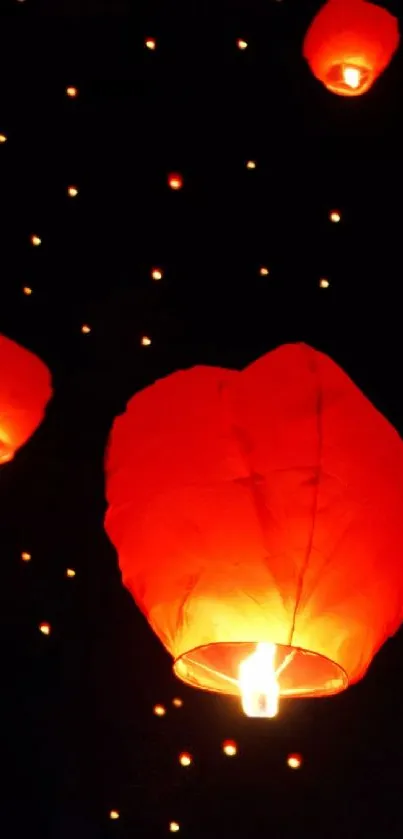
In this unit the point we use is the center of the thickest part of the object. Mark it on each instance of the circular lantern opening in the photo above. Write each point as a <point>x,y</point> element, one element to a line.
<point>216,667</point>
<point>349,78</point>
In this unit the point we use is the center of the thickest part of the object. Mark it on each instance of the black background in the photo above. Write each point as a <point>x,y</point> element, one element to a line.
<point>78,730</point>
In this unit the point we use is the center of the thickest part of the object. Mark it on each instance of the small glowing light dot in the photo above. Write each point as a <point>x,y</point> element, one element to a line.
<point>177,702</point>
<point>85,329</point>
<point>114,814</point>
<point>241,44</point>
<point>264,272</point>
<point>323,283</point>
<point>174,827</point>
<point>151,43</point>
<point>26,557</point>
<point>35,240</point>
<point>72,191</point>
<point>185,759</point>
<point>335,216</point>
<point>145,341</point>
<point>70,572</point>
<point>159,710</point>
<point>294,761</point>
<point>175,181</point>
<point>27,290</point>
<point>3,138</point>
<point>156,274</point>
<point>251,164</point>
<point>45,628</point>
<point>72,92</point>
<point>229,748</point>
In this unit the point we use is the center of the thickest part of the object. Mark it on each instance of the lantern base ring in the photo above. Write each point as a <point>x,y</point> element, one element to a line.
<point>301,673</point>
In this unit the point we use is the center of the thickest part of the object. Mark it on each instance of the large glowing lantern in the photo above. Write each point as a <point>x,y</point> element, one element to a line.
<point>258,518</point>
<point>349,44</point>
<point>25,388</point>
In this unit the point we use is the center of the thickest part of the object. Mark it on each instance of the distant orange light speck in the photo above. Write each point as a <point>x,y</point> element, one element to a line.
<point>45,628</point>
<point>35,240</point>
<point>72,191</point>
<point>324,283</point>
<point>85,329</point>
<point>26,557</point>
<point>72,92</point>
<point>177,702</point>
<point>251,164</point>
<point>114,814</point>
<point>335,216</point>
<point>27,290</point>
<point>3,138</point>
<point>70,572</point>
<point>241,44</point>
<point>264,272</point>
<point>145,341</point>
<point>175,181</point>
<point>174,827</point>
<point>151,43</point>
<point>159,710</point>
<point>185,759</point>
<point>294,761</point>
<point>230,747</point>
<point>156,274</point>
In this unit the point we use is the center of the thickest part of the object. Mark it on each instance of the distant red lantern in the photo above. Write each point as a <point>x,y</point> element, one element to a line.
<point>349,44</point>
<point>25,389</point>
<point>294,761</point>
<point>258,517</point>
<point>230,748</point>
<point>175,180</point>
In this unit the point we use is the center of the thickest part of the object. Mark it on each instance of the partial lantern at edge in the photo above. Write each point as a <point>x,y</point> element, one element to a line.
<point>258,519</point>
<point>25,389</point>
<point>349,44</point>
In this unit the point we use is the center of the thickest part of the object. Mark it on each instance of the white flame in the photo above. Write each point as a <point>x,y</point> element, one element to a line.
<point>352,77</point>
<point>258,682</point>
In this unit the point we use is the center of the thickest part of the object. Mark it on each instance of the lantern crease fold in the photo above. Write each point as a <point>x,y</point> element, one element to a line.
<point>317,478</point>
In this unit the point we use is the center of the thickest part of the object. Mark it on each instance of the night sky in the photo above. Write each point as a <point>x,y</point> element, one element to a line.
<point>79,735</point>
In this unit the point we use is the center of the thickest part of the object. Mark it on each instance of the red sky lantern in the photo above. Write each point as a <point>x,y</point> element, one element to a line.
<point>230,748</point>
<point>258,518</point>
<point>175,181</point>
<point>294,761</point>
<point>25,389</point>
<point>349,44</point>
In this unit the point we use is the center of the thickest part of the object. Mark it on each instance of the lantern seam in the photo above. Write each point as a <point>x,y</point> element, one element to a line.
<point>191,585</point>
<point>251,483</point>
<point>318,475</point>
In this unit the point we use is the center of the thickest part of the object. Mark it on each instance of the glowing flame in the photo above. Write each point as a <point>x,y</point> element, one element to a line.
<point>258,682</point>
<point>352,77</point>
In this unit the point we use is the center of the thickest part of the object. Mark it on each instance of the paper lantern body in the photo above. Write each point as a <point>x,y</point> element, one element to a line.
<point>261,506</point>
<point>25,388</point>
<point>349,44</point>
